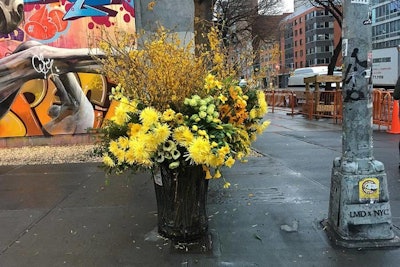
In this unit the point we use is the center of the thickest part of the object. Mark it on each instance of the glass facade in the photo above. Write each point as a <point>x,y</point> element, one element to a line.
<point>385,24</point>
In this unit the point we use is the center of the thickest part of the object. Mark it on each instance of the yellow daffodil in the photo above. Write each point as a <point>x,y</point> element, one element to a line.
<point>227,185</point>
<point>217,174</point>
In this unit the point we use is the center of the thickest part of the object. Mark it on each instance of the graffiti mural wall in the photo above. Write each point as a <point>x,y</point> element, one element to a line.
<point>49,82</point>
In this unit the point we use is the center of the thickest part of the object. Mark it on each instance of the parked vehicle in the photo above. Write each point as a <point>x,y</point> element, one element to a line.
<point>297,78</point>
<point>385,67</point>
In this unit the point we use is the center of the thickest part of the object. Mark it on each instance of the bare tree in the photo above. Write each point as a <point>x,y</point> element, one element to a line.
<point>237,21</point>
<point>236,18</point>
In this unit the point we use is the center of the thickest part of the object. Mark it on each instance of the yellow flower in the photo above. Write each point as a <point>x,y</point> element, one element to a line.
<point>108,161</point>
<point>227,185</point>
<point>218,84</point>
<point>209,81</point>
<point>229,162</point>
<point>262,103</point>
<point>149,116</point>
<point>162,132</point>
<point>113,146</point>
<point>120,155</point>
<point>127,105</point>
<point>207,171</point>
<point>217,174</point>
<point>179,118</point>
<point>123,142</point>
<point>222,98</point>
<point>130,156</point>
<point>253,114</point>
<point>134,128</point>
<point>142,155</point>
<point>200,150</point>
<point>168,115</point>
<point>183,135</point>
<point>215,161</point>
<point>120,115</point>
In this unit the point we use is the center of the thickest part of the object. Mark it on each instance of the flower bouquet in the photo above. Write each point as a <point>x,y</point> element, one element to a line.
<point>176,108</point>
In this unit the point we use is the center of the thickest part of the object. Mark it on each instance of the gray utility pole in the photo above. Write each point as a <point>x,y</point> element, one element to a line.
<point>359,207</point>
<point>174,15</point>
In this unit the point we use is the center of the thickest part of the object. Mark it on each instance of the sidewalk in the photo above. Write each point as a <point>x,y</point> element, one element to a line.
<point>63,215</point>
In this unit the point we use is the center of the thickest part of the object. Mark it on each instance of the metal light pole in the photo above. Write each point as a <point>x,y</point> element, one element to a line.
<point>359,207</point>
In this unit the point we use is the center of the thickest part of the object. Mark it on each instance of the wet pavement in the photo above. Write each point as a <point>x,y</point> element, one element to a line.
<point>64,215</point>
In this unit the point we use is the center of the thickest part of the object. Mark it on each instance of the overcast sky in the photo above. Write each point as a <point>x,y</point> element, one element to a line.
<point>287,5</point>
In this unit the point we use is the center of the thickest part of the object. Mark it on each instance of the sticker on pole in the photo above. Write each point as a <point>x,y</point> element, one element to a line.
<point>368,189</point>
<point>363,2</point>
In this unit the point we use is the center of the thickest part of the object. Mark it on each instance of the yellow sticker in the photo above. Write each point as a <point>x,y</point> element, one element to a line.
<point>368,189</point>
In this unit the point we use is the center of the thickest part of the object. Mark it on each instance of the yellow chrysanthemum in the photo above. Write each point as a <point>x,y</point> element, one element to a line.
<point>149,116</point>
<point>120,155</point>
<point>162,132</point>
<point>200,150</point>
<point>140,150</point>
<point>151,142</point>
<point>183,135</point>
<point>108,161</point>
<point>123,142</point>
<point>134,128</point>
<point>130,156</point>
<point>113,146</point>
<point>215,161</point>
<point>253,114</point>
<point>120,115</point>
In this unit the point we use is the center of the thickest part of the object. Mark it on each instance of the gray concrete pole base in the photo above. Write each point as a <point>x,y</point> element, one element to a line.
<point>339,241</point>
<point>359,207</point>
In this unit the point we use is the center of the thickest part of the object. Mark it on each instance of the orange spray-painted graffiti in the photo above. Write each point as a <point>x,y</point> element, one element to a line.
<point>52,85</point>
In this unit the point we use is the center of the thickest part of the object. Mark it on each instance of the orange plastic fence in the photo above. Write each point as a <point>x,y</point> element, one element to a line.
<point>382,108</point>
<point>328,104</point>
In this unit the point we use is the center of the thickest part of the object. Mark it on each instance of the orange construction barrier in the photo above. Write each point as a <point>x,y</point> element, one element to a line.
<point>395,127</point>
